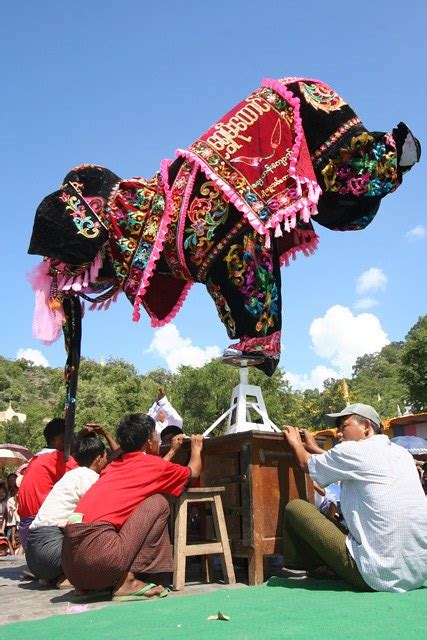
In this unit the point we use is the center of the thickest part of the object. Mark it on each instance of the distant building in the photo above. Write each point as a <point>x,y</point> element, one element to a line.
<point>10,414</point>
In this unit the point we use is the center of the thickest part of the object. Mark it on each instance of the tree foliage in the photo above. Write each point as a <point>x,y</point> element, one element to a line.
<point>413,365</point>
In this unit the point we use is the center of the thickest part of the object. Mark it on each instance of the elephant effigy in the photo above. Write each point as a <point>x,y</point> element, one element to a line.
<point>227,212</point>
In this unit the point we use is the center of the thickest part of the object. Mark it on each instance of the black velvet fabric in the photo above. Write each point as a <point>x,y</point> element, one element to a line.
<point>55,234</point>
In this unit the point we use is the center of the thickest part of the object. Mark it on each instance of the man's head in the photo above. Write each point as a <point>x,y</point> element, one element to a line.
<point>137,432</point>
<point>91,452</point>
<point>356,422</point>
<point>161,416</point>
<point>11,482</point>
<point>170,432</point>
<point>54,433</point>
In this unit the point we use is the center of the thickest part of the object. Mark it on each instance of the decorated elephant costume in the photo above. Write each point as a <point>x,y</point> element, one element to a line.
<point>228,212</point>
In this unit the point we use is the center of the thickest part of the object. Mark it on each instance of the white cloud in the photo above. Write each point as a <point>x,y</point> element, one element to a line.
<point>365,303</point>
<point>176,350</point>
<point>417,232</point>
<point>33,355</point>
<point>342,337</point>
<point>312,380</point>
<point>373,279</point>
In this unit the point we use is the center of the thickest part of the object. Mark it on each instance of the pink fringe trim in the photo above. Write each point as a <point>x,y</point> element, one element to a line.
<point>47,322</point>
<point>158,245</point>
<point>81,282</point>
<point>155,322</point>
<point>308,248</point>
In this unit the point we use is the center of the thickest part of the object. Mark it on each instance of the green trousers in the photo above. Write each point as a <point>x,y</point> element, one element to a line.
<point>310,540</point>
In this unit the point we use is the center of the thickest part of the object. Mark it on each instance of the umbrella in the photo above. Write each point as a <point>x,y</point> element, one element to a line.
<point>413,444</point>
<point>10,458</point>
<point>17,447</point>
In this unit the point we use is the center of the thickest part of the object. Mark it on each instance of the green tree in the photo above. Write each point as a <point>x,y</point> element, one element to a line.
<point>376,380</point>
<point>413,365</point>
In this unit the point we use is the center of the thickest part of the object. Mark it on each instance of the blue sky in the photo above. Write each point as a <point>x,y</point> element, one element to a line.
<point>125,84</point>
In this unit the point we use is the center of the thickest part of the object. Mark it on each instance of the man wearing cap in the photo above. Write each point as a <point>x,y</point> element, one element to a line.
<point>381,500</point>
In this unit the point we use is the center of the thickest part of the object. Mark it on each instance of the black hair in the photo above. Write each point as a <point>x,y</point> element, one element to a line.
<point>360,419</point>
<point>171,430</point>
<point>54,428</point>
<point>133,431</point>
<point>87,449</point>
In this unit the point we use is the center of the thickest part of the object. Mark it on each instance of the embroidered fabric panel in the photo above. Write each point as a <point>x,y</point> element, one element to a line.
<point>244,283</point>
<point>135,210</point>
<point>253,155</point>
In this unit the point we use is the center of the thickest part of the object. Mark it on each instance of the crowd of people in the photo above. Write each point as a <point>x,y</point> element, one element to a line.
<point>98,522</point>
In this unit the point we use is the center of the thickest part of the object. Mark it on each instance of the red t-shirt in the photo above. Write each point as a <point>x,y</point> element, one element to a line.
<point>126,482</point>
<point>41,474</point>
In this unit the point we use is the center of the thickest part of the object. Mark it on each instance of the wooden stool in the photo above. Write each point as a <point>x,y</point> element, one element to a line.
<point>182,549</point>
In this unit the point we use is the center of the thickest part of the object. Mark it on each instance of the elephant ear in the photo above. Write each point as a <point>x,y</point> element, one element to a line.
<point>69,223</point>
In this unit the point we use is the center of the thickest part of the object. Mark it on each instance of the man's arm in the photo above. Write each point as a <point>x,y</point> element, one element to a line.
<point>293,436</point>
<point>102,431</point>
<point>195,463</point>
<point>176,444</point>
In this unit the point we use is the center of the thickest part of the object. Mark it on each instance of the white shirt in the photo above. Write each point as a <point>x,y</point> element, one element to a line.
<point>171,415</point>
<point>384,508</point>
<point>63,498</point>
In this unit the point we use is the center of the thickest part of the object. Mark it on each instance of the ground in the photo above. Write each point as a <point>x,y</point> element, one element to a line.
<point>281,608</point>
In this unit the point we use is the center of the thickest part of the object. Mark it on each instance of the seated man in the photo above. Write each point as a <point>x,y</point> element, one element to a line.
<point>44,470</point>
<point>122,521</point>
<point>46,534</point>
<point>164,413</point>
<point>381,500</point>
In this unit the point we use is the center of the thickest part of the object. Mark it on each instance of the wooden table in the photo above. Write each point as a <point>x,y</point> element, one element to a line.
<point>260,476</point>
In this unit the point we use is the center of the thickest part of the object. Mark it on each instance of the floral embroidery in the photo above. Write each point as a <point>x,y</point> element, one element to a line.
<point>81,214</point>
<point>204,216</point>
<point>223,308</point>
<point>320,96</point>
<point>250,268</point>
<point>364,168</point>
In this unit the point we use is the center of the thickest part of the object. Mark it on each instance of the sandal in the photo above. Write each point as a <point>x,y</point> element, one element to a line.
<point>139,595</point>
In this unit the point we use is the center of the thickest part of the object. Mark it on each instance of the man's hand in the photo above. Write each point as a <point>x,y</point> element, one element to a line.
<point>293,436</point>
<point>309,442</point>
<point>92,427</point>
<point>160,394</point>
<point>196,442</point>
<point>176,442</point>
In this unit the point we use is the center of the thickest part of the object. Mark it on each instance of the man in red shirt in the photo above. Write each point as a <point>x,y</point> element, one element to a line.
<point>45,469</point>
<point>121,527</point>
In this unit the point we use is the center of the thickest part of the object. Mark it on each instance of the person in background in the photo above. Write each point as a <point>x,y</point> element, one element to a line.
<point>169,434</point>
<point>5,547</point>
<point>12,512</point>
<point>121,527</point>
<point>381,499</point>
<point>46,534</point>
<point>44,470</point>
<point>164,413</point>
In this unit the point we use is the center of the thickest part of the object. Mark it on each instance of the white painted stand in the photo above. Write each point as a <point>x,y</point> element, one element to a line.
<point>245,399</point>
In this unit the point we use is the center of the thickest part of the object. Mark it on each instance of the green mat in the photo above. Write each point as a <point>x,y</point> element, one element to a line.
<point>301,610</point>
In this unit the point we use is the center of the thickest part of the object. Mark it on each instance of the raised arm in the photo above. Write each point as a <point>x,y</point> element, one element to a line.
<point>195,463</point>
